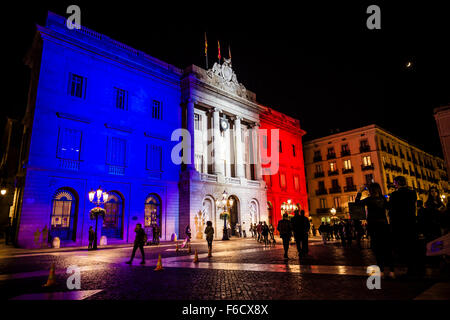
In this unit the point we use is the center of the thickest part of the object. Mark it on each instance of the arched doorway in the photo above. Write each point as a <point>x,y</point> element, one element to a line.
<point>207,214</point>
<point>270,213</point>
<point>113,221</point>
<point>63,216</point>
<point>234,215</point>
<point>152,215</point>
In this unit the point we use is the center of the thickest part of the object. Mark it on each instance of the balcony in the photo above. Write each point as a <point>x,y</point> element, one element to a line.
<point>319,174</point>
<point>345,153</point>
<point>350,170</point>
<point>395,152</point>
<point>116,170</point>
<point>317,158</point>
<point>331,156</point>
<point>383,147</point>
<point>73,165</point>
<point>349,188</point>
<point>321,192</point>
<point>364,149</point>
<point>323,210</point>
<point>365,168</point>
<point>333,173</point>
<point>335,190</point>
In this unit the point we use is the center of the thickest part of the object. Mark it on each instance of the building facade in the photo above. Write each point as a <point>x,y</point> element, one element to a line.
<point>339,164</point>
<point>102,114</point>
<point>287,185</point>
<point>442,117</point>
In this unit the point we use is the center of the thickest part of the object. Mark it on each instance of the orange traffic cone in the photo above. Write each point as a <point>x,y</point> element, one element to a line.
<point>177,248</point>
<point>196,257</point>
<point>189,248</point>
<point>51,277</point>
<point>209,253</point>
<point>159,264</point>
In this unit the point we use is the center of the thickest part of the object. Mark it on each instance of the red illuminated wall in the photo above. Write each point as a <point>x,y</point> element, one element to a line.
<point>291,166</point>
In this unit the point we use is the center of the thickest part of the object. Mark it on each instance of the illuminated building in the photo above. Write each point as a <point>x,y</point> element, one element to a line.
<point>339,164</point>
<point>286,189</point>
<point>442,116</point>
<point>102,114</point>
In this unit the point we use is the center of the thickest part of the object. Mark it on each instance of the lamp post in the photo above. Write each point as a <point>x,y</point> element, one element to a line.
<point>225,204</point>
<point>333,213</point>
<point>98,198</point>
<point>288,207</point>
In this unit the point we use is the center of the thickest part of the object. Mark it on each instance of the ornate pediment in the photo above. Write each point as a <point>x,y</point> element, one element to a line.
<point>223,77</point>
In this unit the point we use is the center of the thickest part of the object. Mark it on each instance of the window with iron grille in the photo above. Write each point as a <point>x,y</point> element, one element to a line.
<point>157,110</point>
<point>154,157</point>
<point>117,151</point>
<point>69,144</point>
<point>77,85</point>
<point>121,99</point>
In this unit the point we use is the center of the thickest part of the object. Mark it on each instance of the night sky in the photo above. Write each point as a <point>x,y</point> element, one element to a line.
<point>317,63</point>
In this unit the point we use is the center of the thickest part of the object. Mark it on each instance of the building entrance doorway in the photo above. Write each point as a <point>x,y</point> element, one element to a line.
<point>234,216</point>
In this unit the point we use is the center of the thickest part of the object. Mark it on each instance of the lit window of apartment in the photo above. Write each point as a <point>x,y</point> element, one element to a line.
<point>333,167</point>
<point>347,164</point>
<point>367,162</point>
<point>121,99</point>
<point>157,110</point>
<point>337,202</point>
<point>77,86</point>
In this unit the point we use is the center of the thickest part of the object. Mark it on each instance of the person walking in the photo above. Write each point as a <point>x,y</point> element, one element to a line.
<point>323,232</point>
<point>378,226</point>
<point>300,226</point>
<point>314,231</point>
<point>265,233</point>
<point>258,231</point>
<point>285,229</point>
<point>402,215</point>
<point>271,233</point>
<point>91,237</point>
<point>209,231</point>
<point>139,242</point>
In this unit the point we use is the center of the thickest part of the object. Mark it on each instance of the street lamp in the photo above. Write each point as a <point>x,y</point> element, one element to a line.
<point>3,192</point>
<point>288,207</point>
<point>98,198</point>
<point>225,204</point>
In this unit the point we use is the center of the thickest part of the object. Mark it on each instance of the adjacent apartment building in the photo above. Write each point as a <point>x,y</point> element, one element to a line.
<point>339,164</point>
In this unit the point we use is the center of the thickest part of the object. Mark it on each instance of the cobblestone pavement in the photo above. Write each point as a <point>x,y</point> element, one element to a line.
<point>240,269</point>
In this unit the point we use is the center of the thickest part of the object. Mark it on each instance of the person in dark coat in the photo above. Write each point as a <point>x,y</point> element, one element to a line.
<point>91,237</point>
<point>402,215</point>
<point>430,217</point>
<point>209,231</point>
<point>378,226</point>
<point>323,232</point>
<point>265,233</point>
<point>285,229</point>
<point>300,226</point>
<point>139,242</point>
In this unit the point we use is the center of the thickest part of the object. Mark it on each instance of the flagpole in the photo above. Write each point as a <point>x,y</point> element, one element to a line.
<point>206,51</point>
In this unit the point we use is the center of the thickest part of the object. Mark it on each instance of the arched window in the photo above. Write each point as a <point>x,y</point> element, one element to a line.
<point>113,221</point>
<point>62,220</point>
<point>152,215</point>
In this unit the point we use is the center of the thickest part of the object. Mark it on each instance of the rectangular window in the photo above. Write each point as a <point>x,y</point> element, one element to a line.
<point>117,151</point>
<point>323,203</point>
<point>154,157</point>
<point>296,183</point>
<point>77,86</point>
<point>367,161</point>
<point>347,164</point>
<point>197,122</point>
<point>337,202</point>
<point>157,110</point>
<point>293,150</point>
<point>280,147</point>
<point>321,185</point>
<point>199,163</point>
<point>268,179</point>
<point>317,154</point>
<point>334,183</point>
<point>333,166</point>
<point>69,144</point>
<point>283,181</point>
<point>121,99</point>
<point>349,181</point>
<point>319,168</point>
<point>369,178</point>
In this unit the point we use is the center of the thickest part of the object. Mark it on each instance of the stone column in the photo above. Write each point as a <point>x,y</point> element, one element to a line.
<point>256,151</point>
<point>239,151</point>
<point>190,127</point>
<point>218,163</point>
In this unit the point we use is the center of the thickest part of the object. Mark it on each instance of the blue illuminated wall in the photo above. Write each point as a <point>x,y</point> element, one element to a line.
<point>104,65</point>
